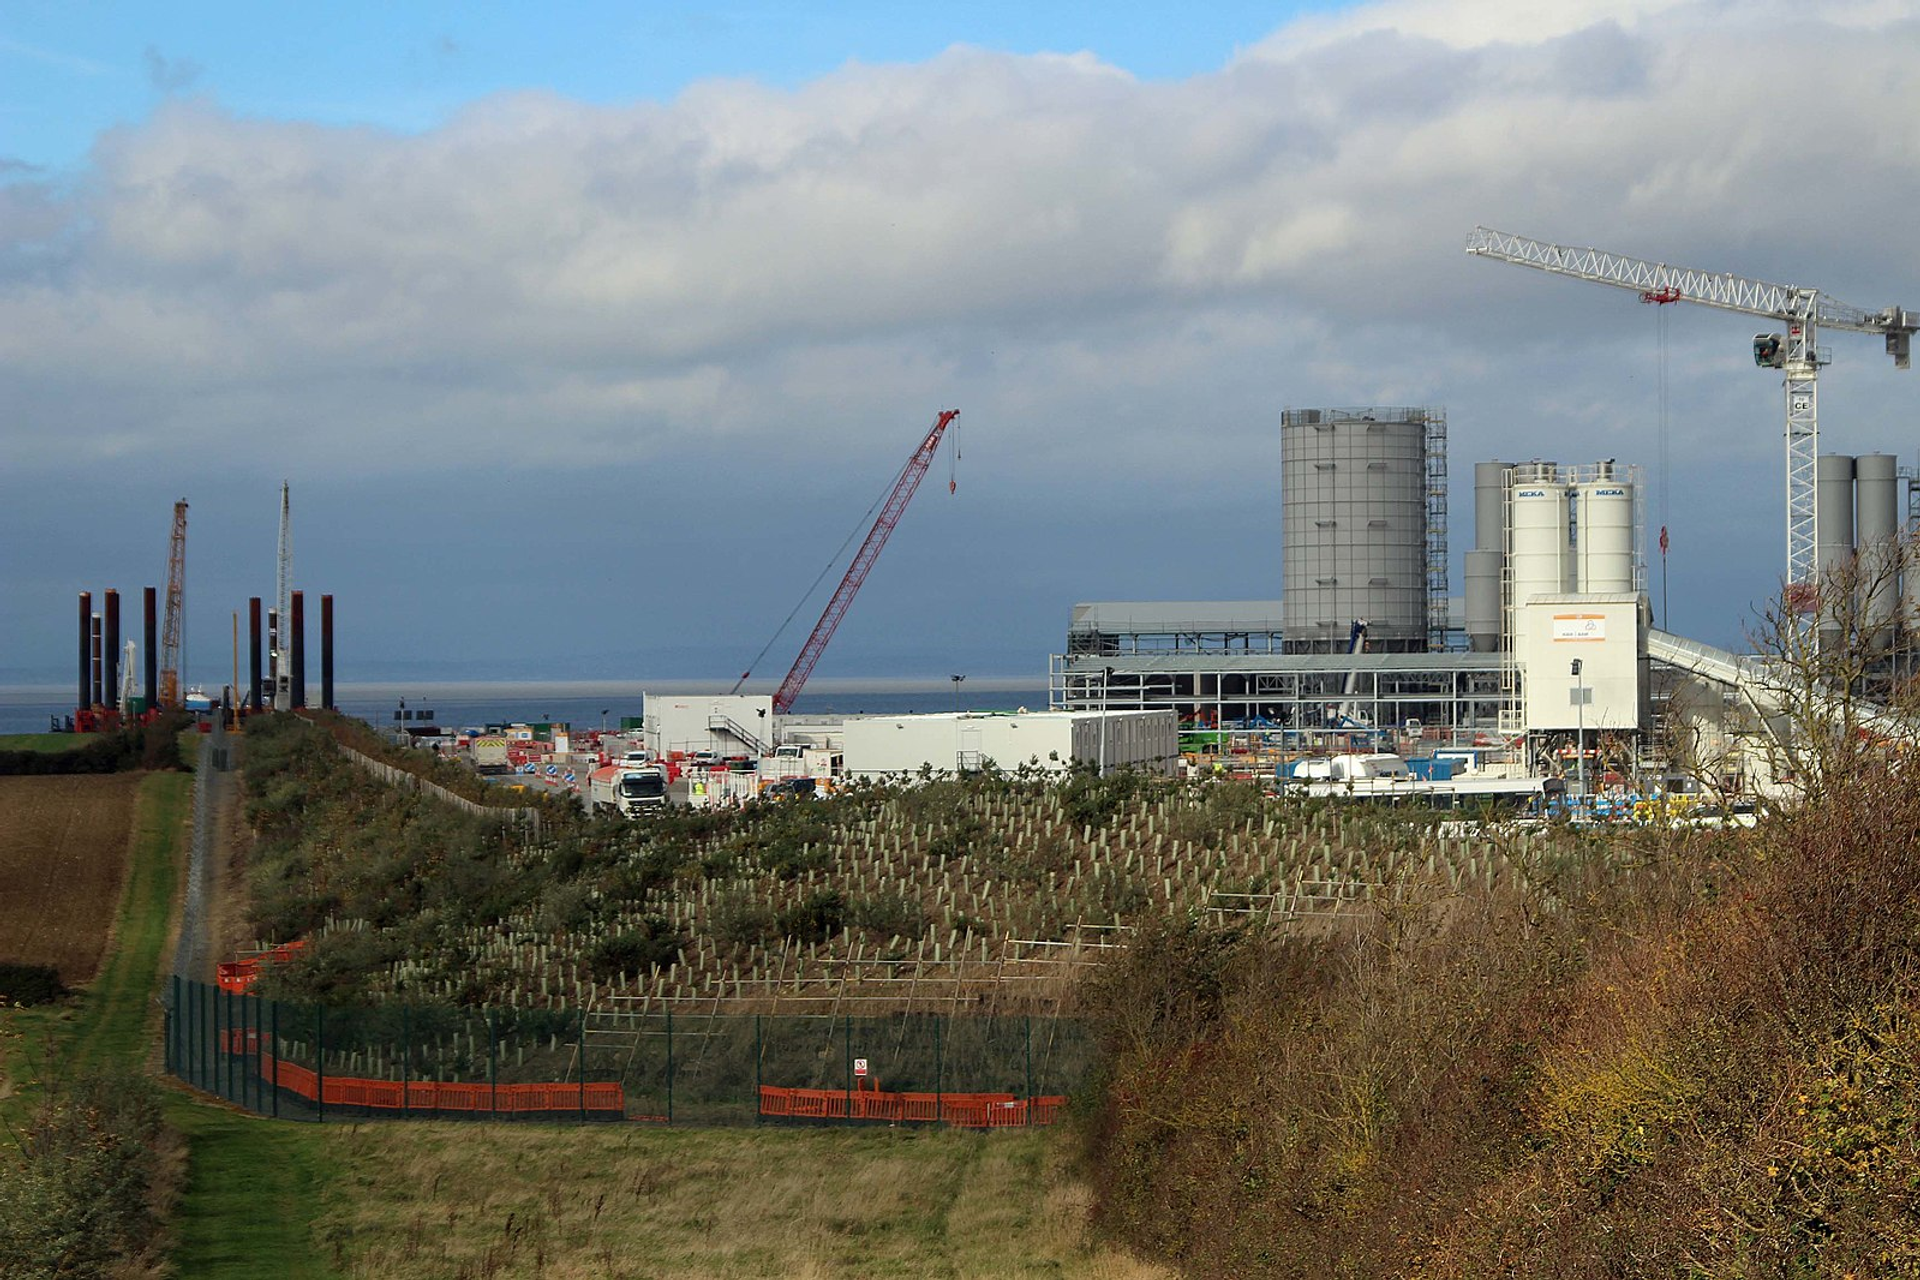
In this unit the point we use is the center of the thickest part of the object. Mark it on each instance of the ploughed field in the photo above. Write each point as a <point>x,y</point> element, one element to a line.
<point>63,857</point>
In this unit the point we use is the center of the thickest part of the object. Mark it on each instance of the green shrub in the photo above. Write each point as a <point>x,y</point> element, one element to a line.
<point>76,1196</point>
<point>635,951</point>
<point>814,918</point>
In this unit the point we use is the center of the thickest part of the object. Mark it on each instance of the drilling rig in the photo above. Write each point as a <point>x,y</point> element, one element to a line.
<point>176,605</point>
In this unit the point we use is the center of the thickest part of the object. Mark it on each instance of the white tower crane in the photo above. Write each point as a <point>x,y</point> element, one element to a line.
<point>1804,311</point>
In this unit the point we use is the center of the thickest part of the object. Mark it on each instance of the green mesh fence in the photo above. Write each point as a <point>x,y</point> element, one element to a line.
<point>298,1060</point>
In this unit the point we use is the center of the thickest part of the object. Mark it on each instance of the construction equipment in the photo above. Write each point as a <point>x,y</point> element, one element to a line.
<point>1797,352</point>
<point>280,659</point>
<point>176,605</point>
<point>890,512</point>
<point>123,697</point>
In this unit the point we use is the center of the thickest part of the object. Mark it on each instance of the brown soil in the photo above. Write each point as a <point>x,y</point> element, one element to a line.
<point>63,858</point>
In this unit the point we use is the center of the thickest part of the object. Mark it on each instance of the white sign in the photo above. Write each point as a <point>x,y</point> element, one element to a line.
<point>860,1067</point>
<point>1579,627</point>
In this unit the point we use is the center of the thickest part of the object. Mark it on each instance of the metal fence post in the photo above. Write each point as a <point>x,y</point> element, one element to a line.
<point>1029,1059</point>
<point>273,1014</point>
<point>406,1060</point>
<point>669,1064</point>
<point>939,1073</point>
<point>320,1059</point>
<point>200,1037</point>
<point>172,1027</point>
<point>758,1065</point>
<point>846,1025</point>
<point>249,1040</point>
<point>493,1067</point>
<point>581,1053</point>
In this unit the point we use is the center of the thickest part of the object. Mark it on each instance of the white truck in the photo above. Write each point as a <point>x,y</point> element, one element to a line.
<point>628,790</point>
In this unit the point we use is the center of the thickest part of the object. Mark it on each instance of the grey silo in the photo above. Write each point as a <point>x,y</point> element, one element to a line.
<point>1833,530</point>
<point>1876,518</point>
<point>1353,512</point>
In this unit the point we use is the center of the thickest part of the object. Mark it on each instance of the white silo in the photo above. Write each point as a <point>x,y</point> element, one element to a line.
<point>1832,533</point>
<point>1876,515</point>
<point>1540,559</point>
<point>1605,556</point>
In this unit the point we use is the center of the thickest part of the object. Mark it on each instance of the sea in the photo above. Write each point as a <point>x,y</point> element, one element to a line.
<point>583,704</point>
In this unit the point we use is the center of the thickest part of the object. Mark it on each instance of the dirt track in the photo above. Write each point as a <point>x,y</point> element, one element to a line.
<point>63,856</point>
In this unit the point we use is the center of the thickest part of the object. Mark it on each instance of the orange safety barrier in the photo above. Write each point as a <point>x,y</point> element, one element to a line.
<point>238,976</point>
<point>968,1110</point>
<point>602,1098</point>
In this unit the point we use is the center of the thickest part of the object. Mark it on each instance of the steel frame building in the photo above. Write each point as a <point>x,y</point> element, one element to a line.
<point>1222,665</point>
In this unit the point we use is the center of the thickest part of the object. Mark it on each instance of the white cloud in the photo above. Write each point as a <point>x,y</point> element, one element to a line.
<point>1091,267</point>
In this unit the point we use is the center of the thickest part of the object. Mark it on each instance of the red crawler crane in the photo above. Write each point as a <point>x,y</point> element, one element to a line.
<point>890,513</point>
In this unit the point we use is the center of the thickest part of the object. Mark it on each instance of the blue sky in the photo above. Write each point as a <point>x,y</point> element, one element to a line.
<point>72,70</point>
<point>584,338</point>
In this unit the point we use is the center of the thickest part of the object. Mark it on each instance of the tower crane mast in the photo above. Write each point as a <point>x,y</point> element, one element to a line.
<point>1796,353</point>
<point>176,605</point>
<point>281,659</point>
<point>863,560</point>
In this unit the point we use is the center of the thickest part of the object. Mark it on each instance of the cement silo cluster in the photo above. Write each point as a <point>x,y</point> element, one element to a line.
<point>1857,522</point>
<point>1546,529</point>
<point>1364,528</point>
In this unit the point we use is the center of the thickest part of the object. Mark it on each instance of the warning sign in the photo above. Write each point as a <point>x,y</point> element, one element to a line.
<point>860,1067</point>
<point>1577,627</point>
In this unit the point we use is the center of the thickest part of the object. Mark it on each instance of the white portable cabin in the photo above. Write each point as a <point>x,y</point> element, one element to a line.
<point>724,724</point>
<point>894,746</point>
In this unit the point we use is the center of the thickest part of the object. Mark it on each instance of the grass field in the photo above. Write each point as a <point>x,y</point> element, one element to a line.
<point>448,1200</point>
<point>63,852</point>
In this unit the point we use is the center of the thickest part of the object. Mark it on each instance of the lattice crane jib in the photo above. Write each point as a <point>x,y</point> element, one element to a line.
<point>1796,353</point>
<point>176,605</point>
<point>863,560</point>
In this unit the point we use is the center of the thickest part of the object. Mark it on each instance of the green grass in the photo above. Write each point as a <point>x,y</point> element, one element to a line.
<point>44,741</point>
<point>253,1190</point>
<point>117,1018</point>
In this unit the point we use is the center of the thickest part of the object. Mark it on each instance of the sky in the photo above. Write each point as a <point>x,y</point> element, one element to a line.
<point>587,335</point>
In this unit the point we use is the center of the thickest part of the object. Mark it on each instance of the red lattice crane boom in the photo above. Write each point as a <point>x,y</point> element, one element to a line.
<point>176,600</point>
<point>890,513</point>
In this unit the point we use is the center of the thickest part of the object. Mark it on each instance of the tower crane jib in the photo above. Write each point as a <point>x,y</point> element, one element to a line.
<point>1796,353</point>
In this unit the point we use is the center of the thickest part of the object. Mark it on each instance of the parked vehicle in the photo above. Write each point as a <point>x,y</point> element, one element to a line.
<point>627,789</point>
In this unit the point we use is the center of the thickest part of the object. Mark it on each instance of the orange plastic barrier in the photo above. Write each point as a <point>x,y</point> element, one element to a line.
<point>239,976</point>
<point>603,1098</point>
<point>968,1110</point>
